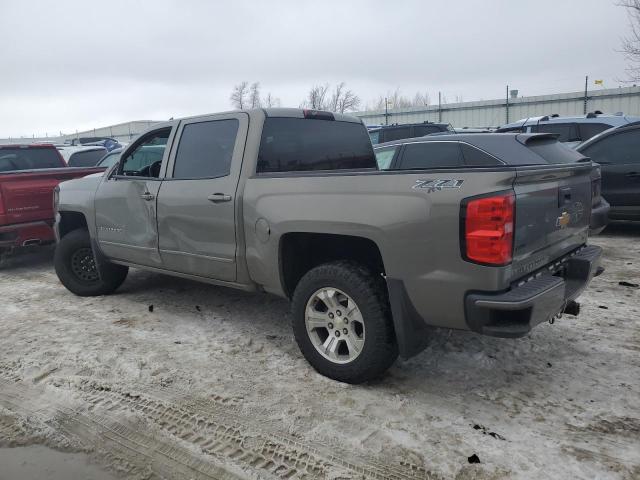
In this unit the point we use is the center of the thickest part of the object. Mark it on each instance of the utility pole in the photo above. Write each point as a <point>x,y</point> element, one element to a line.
<point>386,111</point>
<point>439,107</point>
<point>507,104</point>
<point>586,92</point>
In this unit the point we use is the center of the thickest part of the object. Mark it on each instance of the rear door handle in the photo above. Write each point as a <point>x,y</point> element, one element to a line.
<point>219,198</point>
<point>148,196</point>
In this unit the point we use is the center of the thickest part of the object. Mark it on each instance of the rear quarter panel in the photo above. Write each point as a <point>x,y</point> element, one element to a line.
<point>416,229</point>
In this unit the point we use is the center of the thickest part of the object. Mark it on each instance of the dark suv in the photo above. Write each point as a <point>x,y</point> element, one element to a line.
<point>617,150</point>
<point>388,133</point>
<point>571,130</point>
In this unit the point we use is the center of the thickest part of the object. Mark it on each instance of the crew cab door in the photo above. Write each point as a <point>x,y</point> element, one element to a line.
<point>619,157</point>
<point>125,203</point>
<point>197,200</point>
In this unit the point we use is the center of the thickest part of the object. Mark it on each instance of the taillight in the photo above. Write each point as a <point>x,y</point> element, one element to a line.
<point>488,229</point>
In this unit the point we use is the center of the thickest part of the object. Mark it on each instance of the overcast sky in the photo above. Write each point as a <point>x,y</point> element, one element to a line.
<point>67,65</point>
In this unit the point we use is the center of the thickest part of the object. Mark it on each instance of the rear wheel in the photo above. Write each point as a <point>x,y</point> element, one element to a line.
<point>342,323</point>
<point>77,269</point>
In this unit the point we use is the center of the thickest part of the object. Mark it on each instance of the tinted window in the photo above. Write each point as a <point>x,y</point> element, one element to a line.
<point>622,148</point>
<point>205,149</point>
<point>384,156</point>
<point>475,157</point>
<point>28,159</point>
<point>422,130</point>
<point>568,131</point>
<point>297,144</point>
<point>588,130</point>
<point>431,155</point>
<point>146,157</point>
<point>88,158</point>
<point>391,134</point>
<point>375,137</point>
<point>553,151</point>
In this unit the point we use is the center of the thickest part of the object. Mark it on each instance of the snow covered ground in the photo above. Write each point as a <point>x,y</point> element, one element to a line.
<point>172,379</point>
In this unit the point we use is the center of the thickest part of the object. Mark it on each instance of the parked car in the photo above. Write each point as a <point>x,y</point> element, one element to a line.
<point>290,202</point>
<point>28,175</point>
<point>490,151</point>
<point>617,151</point>
<point>572,130</point>
<point>86,156</point>
<point>387,133</point>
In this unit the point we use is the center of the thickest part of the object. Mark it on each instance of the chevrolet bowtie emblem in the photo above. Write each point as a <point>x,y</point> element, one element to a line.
<point>563,220</point>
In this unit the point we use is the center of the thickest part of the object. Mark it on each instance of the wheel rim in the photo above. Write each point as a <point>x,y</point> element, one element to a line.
<point>83,265</point>
<point>335,325</point>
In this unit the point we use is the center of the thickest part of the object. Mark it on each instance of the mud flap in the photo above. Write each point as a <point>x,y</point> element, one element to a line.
<point>412,333</point>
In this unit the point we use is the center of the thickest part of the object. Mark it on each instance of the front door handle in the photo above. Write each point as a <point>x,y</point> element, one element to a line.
<point>219,198</point>
<point>148,196</point>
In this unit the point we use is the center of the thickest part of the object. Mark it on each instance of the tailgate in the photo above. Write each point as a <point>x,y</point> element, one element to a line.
<point>553,209</point>
<point>27,196</point>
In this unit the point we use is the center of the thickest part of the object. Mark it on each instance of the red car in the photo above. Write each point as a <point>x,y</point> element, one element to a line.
<point>28,175</point>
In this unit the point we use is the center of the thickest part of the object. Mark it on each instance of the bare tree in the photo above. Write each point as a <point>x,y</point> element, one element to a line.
<point>421,99</point>
<point>343,100</point>
<point>239,95</point>
<point>631,43</point>
<point>271,101</point>
<point>316,98</point>
<point>254,95</point>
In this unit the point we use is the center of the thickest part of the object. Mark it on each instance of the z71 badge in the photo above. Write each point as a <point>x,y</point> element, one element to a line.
<point>438,184</point>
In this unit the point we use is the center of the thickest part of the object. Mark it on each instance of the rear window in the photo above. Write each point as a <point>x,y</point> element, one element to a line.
<point>568,132</point>
<point>299,144</point>
<point>88,158</point>
<point>553,151</point>
<point>29,159</point>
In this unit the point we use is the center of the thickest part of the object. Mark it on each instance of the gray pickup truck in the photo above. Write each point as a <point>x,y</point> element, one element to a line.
<point>291,202</point>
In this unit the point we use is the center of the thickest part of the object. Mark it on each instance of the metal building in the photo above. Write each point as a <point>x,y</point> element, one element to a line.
<point>493,113</point>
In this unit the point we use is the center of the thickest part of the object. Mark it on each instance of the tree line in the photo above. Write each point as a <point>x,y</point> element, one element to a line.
<point>333,98</point>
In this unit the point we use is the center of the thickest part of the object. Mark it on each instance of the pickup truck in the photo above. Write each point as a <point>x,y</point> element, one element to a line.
<point>291,202</point>
<point>28,175</point>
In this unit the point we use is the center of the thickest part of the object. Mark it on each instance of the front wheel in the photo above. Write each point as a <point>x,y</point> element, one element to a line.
<point>76,267</point>
<point>342,322</point>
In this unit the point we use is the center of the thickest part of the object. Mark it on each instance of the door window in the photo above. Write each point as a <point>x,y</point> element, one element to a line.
<point>622,148</point>
<point>588,130</point>
<point>146,158</point>
<point>205,149</point>
<point>431,155</point>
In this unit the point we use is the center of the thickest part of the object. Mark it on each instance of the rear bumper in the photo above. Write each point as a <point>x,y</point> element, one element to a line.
<point>599,217</point>
<point>24,234</point>
<point>515,312</point>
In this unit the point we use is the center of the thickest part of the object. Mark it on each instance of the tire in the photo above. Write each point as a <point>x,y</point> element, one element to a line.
<point>373,342</point>
<point>78,271</point>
